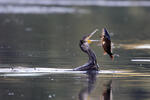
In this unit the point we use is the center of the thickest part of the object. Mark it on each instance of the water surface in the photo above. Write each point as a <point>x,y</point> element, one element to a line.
<point>46,33</point>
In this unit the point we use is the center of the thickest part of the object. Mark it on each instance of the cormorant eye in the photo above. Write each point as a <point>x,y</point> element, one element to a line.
<point>81,41</point>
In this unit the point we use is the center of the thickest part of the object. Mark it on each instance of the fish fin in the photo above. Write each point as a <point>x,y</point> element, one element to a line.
<point>112,57</point>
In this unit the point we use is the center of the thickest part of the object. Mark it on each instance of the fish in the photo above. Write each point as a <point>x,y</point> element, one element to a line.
<point>106,43</point>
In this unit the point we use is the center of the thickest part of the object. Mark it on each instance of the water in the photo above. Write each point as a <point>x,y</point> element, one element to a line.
<point>46,33</point>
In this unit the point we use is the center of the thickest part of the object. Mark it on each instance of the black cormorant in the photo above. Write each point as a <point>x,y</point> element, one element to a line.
<point>92,62</point>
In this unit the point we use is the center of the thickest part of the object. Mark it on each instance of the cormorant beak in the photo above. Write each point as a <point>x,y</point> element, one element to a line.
<point>88,37</point>
<point>90,41</point>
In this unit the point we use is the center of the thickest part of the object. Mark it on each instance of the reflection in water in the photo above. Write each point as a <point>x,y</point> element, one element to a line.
<point>107,93</point>
<point>84,94</point>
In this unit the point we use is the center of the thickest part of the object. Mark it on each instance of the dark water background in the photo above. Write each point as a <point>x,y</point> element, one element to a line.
<point>46,33</point>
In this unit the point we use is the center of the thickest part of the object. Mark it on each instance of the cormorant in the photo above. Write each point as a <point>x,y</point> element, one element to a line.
<point>92,62</point>
<point>84,45</point>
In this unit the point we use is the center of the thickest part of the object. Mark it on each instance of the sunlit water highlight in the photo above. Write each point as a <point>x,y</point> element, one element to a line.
<point>40,10</point>
<point>111,3</point>
<point>144,46</point>
<point>57,6</point>
<point>135,46</point>
<point>141,60</point>
<point>22,71</point>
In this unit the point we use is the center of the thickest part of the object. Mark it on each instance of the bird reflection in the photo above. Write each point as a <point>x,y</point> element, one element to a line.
<point>106,93</point>
<point>85,92</point>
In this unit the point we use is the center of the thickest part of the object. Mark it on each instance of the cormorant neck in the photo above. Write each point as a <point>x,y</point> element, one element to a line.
<point>91,55</point>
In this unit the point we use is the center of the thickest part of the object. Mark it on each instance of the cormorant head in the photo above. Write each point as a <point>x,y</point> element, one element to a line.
<point>87,39</point>
<point>84,43</point>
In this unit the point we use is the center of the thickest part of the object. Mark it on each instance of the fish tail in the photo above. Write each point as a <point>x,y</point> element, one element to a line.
<point>112,57</point>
